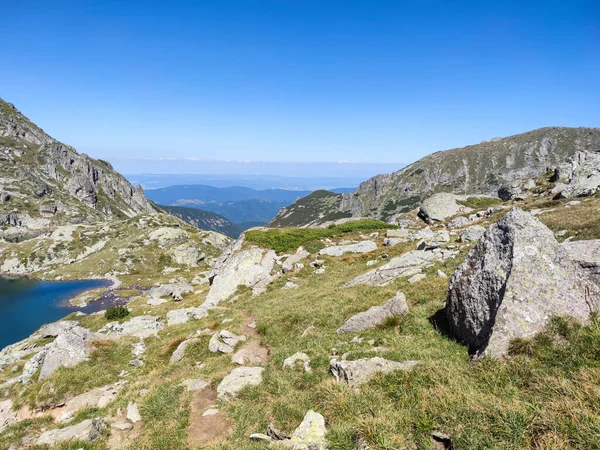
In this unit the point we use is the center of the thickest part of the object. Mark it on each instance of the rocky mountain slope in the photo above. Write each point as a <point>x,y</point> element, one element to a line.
<point>475,169</point>
<point>44,182</point>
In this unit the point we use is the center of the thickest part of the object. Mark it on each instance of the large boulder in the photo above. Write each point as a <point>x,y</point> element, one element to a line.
<point>139,326</point>
<point>407,265</point>
<point>581,173</point>
<point>515,278</point>
<point>376,315</point>
<point>587,255</point>
<point>359,247</point>
<point>184,315</point>
<point>173,290</point>
<point>251,268</point>
<point>167,236</point>
<point>440,206</point>
<point>68,349</point>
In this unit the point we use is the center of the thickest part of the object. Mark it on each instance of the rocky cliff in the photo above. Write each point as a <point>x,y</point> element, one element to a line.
<point>45,182</point>
<point>475,169</point>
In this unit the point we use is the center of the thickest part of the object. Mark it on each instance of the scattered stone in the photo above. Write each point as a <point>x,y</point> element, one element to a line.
<point>224,342</point>
<point>310,434</point>
<point>122,426</point>
<point>392,242</point>
<point>290,285</point>
<point>442,441</point>
<point>260,437</point>
<point>136,363</point>
<point>307,331</point>
<point>416,278</point>
<point>87,431</point>
<point>289,264</point>
<point>96,398</point>
<point>210,412</point>
<point>7,415</point>
<point>359,247</point>
<point>471,234</point>
<point>438,239</point>
<point>515,278</point>
<point>375,315</point>
<point>237,380</point>
<point>184,315</point>
<point>297,357</point>
<point>572,203</point>
<point>179,353</point>
<point>397,233</point>
<point>133,413</point>
<point>276,434</point>
<point>195,384</point>
<point>360,371</point>
<point>320,270</point>
<point>442,274</point>
<point>156,301</point>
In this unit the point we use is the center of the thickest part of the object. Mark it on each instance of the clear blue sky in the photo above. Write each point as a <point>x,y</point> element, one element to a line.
<point>298,80</point>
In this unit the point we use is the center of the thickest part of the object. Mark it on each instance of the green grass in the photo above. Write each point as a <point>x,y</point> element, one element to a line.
<point>480,202</point>
<point>286,240</point>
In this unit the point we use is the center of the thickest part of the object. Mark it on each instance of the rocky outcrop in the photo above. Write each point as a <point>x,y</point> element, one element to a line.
<point>587,255</point>
<point>440,206</point>
<point>167,236</point>
<point>173,290</point>
<point>355,373</point>
<point>580,174</point>
<point>409,264</point>
<point>96,398</point>
<point>471,234</point>
<point>310,434</point>
<point>8,416</point>
<point>251,268</point>
<point>224,342</point>
<point>184,315</point>
<point>359,247</point>
<point>139,326</point>
<point>515,278</point>
<point>376,315</point>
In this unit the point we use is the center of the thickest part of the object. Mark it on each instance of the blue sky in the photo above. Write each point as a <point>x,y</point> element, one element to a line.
<point>298,80</point>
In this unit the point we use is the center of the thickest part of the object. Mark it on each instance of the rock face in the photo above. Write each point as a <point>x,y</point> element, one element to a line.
<point>580,173</point>
<point>475,169</point>
<point>68,349</point>
<point>55,177</point>
<point>376,315</point>
<point>587,255</point>
<point>237,380</point>
<point>515,278</point>
<point>407,265</point>
<point>359,247</point>
<point>87,431</point>
<point>354,373</point>
<point>251,267</point>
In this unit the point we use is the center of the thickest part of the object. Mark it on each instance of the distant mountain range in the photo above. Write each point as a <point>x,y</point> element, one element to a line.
<point>237,204</point>
<point>210,221</point>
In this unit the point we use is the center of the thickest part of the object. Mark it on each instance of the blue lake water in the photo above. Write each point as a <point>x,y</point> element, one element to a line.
<point>25,304</point>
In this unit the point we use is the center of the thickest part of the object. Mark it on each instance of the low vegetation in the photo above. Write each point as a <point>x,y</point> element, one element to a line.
<point>285,240</point>
<point>116,312</point>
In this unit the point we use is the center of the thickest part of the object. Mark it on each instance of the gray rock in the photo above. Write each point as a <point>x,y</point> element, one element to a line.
<point>96,398</point>
<point>184,315</point>
<point>186,255</point>
<point>289,264</point>
<point>224,342</point>
<point>582,174</point>
<point>402,234</point>
<point>179,352</point>
<point>407,265</point>
<point>361,371</point>
<point>459,222</point>
<point>133,413</point>
<point>392,242</point>
<point>515,278</point>
<point>7,415</point>
<point>251,268</point>
<point>139,326</point>
<point>438,239</point>
<point>310,434</point>
<point>513,191</point>
<point>416,278</point>
<point>174,290</point>
<point>587,255</point>
<point>290,285</point>
<point>87,431</point>
<point>376,315</point>
<point>439,206</point>
<point>237,380</point>
<point>195,384</point>
<point>359,247</point>
<point>68,349</point>
<point>471,234</point>
<point>297,357</point>
<point>167,236</point>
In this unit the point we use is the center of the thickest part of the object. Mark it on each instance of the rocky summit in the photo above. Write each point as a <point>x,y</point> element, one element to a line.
<point>466,318</point>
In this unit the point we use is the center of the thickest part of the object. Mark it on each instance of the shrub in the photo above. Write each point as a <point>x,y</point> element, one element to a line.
<point>116,312</point>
